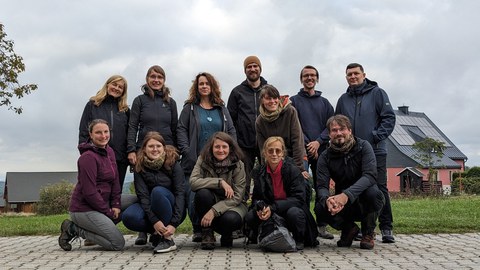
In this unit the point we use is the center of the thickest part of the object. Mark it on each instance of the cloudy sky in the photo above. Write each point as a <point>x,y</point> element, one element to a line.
<point>425,54</point>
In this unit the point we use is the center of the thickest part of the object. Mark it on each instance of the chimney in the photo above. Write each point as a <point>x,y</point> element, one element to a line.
<point>403,109</point>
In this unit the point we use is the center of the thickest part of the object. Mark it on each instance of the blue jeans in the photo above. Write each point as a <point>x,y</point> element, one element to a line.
<point>190,206</point>
<point>161,204</point>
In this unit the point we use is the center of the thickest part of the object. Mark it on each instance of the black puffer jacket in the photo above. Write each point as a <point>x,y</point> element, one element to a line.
<point>243,104</point>
<point>173,181</point>
<point>352,172</point>
<point>117,120</point>
<point>152,114</point>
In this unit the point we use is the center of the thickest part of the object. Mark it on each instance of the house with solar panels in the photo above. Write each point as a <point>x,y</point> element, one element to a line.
<point>404,172</point>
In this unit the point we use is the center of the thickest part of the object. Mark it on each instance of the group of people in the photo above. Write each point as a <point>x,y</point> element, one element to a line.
<point>202,161</point>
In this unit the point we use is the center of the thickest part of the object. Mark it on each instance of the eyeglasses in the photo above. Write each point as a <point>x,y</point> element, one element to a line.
<point>155,77</point>
<point>272,151</point>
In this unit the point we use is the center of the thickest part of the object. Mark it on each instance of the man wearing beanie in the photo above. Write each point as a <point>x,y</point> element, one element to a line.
<point>243,104</point>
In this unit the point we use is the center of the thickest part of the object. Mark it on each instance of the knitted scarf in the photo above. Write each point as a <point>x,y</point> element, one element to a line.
<point>272,116</point>
<point>154,164</point>
<point>344,148</point>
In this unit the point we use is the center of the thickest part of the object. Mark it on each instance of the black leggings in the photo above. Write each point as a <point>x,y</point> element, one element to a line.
<point>226,223</point>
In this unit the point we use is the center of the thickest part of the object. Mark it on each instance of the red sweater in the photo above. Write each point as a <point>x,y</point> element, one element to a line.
<point>277,183</point>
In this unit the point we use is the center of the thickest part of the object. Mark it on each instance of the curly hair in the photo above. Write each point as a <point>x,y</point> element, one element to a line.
<point>215,95</point>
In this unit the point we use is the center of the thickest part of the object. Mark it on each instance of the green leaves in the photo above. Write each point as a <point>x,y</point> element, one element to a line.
<point>11,65</point>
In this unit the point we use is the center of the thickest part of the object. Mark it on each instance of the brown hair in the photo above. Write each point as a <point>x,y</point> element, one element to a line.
<point>171,153</point>
<point>234,153</point>
<point>341,120</point>
<point>269,90</point>
<point>215,95</point>
<point>165,90</point>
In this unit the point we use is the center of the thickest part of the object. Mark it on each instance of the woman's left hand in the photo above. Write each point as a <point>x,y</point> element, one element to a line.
<point>207,219</point>
<point>305,174</point>
<point>228,189</point>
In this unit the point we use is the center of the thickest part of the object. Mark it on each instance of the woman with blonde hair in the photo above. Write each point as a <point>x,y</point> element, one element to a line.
<point>110,104</point>
<point>279,188</point>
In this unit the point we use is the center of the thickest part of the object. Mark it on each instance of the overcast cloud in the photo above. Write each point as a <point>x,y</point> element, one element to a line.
<point>423,53</point>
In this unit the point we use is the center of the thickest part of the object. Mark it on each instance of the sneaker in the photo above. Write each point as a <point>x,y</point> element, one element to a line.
<point>67,234</point>
<point>387,236</point>
<point>197,237</point>
<point>88,243</point>
<point>226,241</point>
<point>165,245</point>
<point>323,233</point>
<point>346,238</point>
<point>368,241</point>
<point>154,239</point>
<point>141,239</point>
<point>208,239</point>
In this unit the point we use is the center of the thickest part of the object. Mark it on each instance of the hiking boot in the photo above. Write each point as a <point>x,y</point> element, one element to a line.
<point>141,239</point>
<point>67,233</point>
<point>237,234</point>
<point>226,241</point>
<point>323,233</point>
<point>368,241</point>
<point>197,237</point>
<point>208,239</point>
<point>165,245</point>
<point>387,236</point>
<point>346,238</point>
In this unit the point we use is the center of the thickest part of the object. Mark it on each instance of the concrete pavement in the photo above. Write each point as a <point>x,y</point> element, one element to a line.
<point>445,251</point>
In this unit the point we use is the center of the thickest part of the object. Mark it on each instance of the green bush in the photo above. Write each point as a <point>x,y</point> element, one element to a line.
<point>55,199</point>
<point>473,172</point>
<point>470,185</point>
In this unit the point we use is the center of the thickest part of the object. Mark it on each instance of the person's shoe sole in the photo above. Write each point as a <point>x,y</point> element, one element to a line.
<point>172,248</point>
<point>388,240</point>
<point>64,235</point>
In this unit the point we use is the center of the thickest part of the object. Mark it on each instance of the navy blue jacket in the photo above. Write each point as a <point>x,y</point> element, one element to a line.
<point>118,122</point>
<point>313,113</point>
<point>370,112</point>
<point>243,104</point>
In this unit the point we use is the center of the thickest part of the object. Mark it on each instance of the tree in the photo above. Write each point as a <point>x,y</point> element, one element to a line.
<point>429,151</point>
<point>11,65</point>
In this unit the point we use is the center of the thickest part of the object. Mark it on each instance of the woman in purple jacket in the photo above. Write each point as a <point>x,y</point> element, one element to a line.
<point>95,203</point>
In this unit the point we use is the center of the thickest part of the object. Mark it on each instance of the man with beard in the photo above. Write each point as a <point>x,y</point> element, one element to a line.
<point>313,113</point>
<point>350,162</point>
<point>373,119</point>
<point>243,104</point>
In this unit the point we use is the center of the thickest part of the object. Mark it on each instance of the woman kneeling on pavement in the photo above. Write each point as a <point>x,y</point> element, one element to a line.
<point>281,187</point>
<point>159,184</point>
<point>218,180</point>
<point>96,202</point>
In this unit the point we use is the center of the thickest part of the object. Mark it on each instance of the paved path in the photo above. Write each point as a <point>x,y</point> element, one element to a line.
<point>445,251</point>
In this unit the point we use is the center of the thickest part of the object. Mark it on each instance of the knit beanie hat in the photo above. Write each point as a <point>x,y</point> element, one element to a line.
<point>251,59</point>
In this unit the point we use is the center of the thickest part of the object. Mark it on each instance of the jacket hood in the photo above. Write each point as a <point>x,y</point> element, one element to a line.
<point>88,146</point>
<point>366,86</point>
<point>156,93</point>
<point>303,93</point>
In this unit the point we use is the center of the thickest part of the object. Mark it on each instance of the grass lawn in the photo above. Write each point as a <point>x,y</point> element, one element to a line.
<point>411,216</point>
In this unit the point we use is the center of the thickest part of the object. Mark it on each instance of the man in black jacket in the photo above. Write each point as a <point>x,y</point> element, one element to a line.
<point>350,162</point>
<point>242,105</point>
